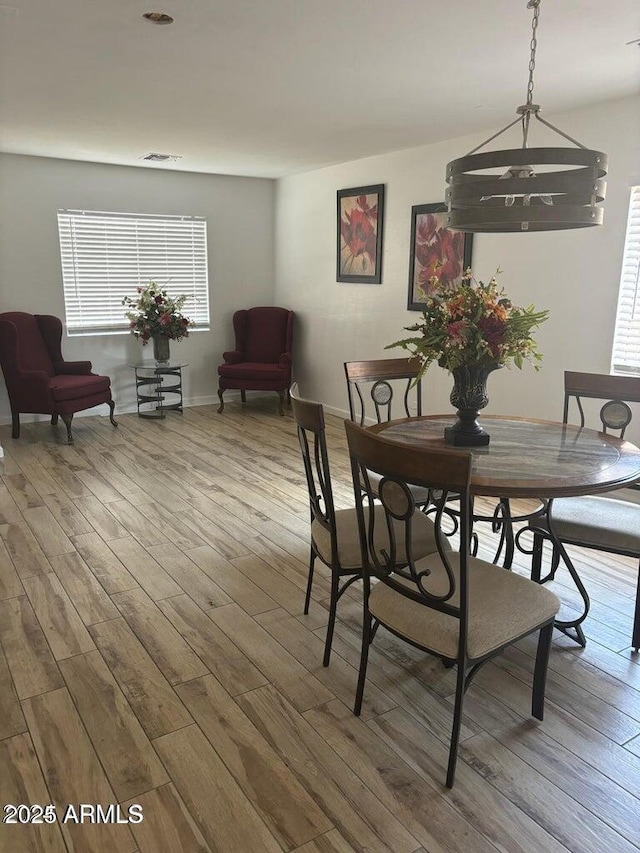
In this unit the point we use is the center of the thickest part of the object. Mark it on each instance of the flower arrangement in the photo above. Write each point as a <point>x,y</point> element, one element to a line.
<point>155,313</point>
<point>472,323</point>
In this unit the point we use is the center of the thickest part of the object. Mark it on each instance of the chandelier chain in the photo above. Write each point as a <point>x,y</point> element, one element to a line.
<point>534,45</point>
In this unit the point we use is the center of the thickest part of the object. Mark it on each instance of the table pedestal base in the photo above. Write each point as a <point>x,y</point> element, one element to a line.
<point>457,437</point>
<point>466,432</point>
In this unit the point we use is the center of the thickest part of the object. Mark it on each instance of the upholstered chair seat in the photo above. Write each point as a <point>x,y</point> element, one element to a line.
<point>65,388</point>
<point>348,537</point>
<point>255,373</point>
<point>516,606</point>
<point>602,523</point>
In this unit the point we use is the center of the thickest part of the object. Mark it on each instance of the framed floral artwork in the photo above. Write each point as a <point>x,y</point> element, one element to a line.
<point>435,251</point>
<point>359,249</point>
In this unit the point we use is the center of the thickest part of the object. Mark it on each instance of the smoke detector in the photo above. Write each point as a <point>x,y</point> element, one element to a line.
<point>161,158</point>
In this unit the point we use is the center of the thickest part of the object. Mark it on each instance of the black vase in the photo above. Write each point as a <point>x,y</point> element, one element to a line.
<point>469,395</point>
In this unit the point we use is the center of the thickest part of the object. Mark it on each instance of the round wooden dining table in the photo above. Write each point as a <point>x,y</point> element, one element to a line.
<point>528,458</point>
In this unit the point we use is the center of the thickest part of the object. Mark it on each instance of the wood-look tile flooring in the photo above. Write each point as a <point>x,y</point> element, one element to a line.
<point>154,652</point>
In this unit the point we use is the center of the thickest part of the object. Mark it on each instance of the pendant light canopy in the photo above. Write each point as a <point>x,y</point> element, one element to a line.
<point>537,189</point>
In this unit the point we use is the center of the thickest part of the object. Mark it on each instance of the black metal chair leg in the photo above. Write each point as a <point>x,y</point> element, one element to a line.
<point>332,618</point>
<point>635,636</point>
<point>221,406</point>
<point>243,396</point>
<point>307,598</point>
<point>67,422</point>
<point>364,659</point>
<point>540,671</point>
<point>15,425</point>
<point>455,730</point>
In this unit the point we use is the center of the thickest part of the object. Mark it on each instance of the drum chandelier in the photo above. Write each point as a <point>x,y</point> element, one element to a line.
<point>525,197</point>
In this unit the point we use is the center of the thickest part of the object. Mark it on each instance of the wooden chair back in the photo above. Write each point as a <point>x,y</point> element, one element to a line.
<point>378,381</point>
<point>617,391</point>
<point>401,466</point>
<point>309,418</point>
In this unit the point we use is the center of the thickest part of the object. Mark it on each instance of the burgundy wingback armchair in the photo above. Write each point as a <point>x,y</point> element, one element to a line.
<point>39,380</point>
<point>261,360</point>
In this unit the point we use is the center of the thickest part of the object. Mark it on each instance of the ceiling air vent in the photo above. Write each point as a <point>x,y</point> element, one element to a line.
<point>161,158</point>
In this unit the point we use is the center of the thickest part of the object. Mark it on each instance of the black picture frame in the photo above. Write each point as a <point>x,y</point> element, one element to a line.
<point>360,220</point>
<point>450,248</point>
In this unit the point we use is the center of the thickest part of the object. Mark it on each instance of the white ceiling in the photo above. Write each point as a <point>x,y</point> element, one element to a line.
<point>273,87</point>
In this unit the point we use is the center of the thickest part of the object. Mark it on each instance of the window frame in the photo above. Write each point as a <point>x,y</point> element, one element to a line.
<point>106,255</point>
<point>625,351</point>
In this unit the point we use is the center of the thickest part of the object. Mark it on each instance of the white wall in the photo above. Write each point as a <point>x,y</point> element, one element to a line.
<point>573,273</point>
<point>240,226</point>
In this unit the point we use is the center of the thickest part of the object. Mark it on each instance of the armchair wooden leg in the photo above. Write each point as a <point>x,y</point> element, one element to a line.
<point>15,425</point>
<point>243,396</point>
<point>281,398</point>
<point>54,420</point>
<point>67,422</point>
<point>221,406</point>
<point>112,407</point>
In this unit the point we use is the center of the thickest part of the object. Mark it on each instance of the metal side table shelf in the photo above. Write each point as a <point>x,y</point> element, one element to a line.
<point>153,383</point>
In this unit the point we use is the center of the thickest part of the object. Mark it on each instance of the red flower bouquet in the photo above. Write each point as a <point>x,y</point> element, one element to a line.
<point>472,323</point>
<point>155,313</point>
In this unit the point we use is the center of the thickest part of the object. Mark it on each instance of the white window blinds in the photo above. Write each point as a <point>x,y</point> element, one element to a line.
<point>106,256</point>
<point>626,342</point>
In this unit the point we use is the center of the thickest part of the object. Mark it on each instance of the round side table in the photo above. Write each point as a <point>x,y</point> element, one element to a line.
<point>153,383</point>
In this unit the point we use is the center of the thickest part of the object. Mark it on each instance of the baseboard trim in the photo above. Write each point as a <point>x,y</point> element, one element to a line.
<point>129,408</point>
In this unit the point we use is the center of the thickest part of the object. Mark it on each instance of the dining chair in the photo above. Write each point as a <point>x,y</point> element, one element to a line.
<point>609,524</point>
<point>335,539</point>
<point>449,604</point>
<point>374,386</point>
